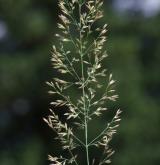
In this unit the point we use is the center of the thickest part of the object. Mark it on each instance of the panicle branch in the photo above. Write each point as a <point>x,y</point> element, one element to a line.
<point>79,60</point>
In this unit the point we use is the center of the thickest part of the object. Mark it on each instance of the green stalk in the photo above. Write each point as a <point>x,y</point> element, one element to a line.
<point>86,115</point>
<point>83,89</point>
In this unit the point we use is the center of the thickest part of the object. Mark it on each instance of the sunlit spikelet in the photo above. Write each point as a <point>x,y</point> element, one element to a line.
<point>81,68</point>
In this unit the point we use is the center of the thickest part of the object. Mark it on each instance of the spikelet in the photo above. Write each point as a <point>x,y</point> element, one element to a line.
<point>88,53</point>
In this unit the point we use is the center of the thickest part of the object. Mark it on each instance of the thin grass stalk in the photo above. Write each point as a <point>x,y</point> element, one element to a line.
<point>89,54</point>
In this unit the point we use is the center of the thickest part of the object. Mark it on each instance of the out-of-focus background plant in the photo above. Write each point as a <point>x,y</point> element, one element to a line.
<point>27,28</point>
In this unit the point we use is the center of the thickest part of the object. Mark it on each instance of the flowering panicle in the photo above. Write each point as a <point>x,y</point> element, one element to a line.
<point>83,64</point>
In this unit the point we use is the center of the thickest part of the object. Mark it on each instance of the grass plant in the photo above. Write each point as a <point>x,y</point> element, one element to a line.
<point>78,60</point>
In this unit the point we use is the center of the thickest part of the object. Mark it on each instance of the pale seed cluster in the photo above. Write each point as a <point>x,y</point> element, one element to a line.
<point>78,26</point>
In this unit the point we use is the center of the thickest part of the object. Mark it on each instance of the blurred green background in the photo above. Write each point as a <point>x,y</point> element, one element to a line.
<point>27,29</point>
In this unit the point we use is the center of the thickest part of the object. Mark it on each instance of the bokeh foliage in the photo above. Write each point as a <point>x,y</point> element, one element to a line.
<point>134,57</point>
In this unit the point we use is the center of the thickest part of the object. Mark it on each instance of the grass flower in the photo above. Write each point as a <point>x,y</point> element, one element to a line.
<point>77,25</point>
